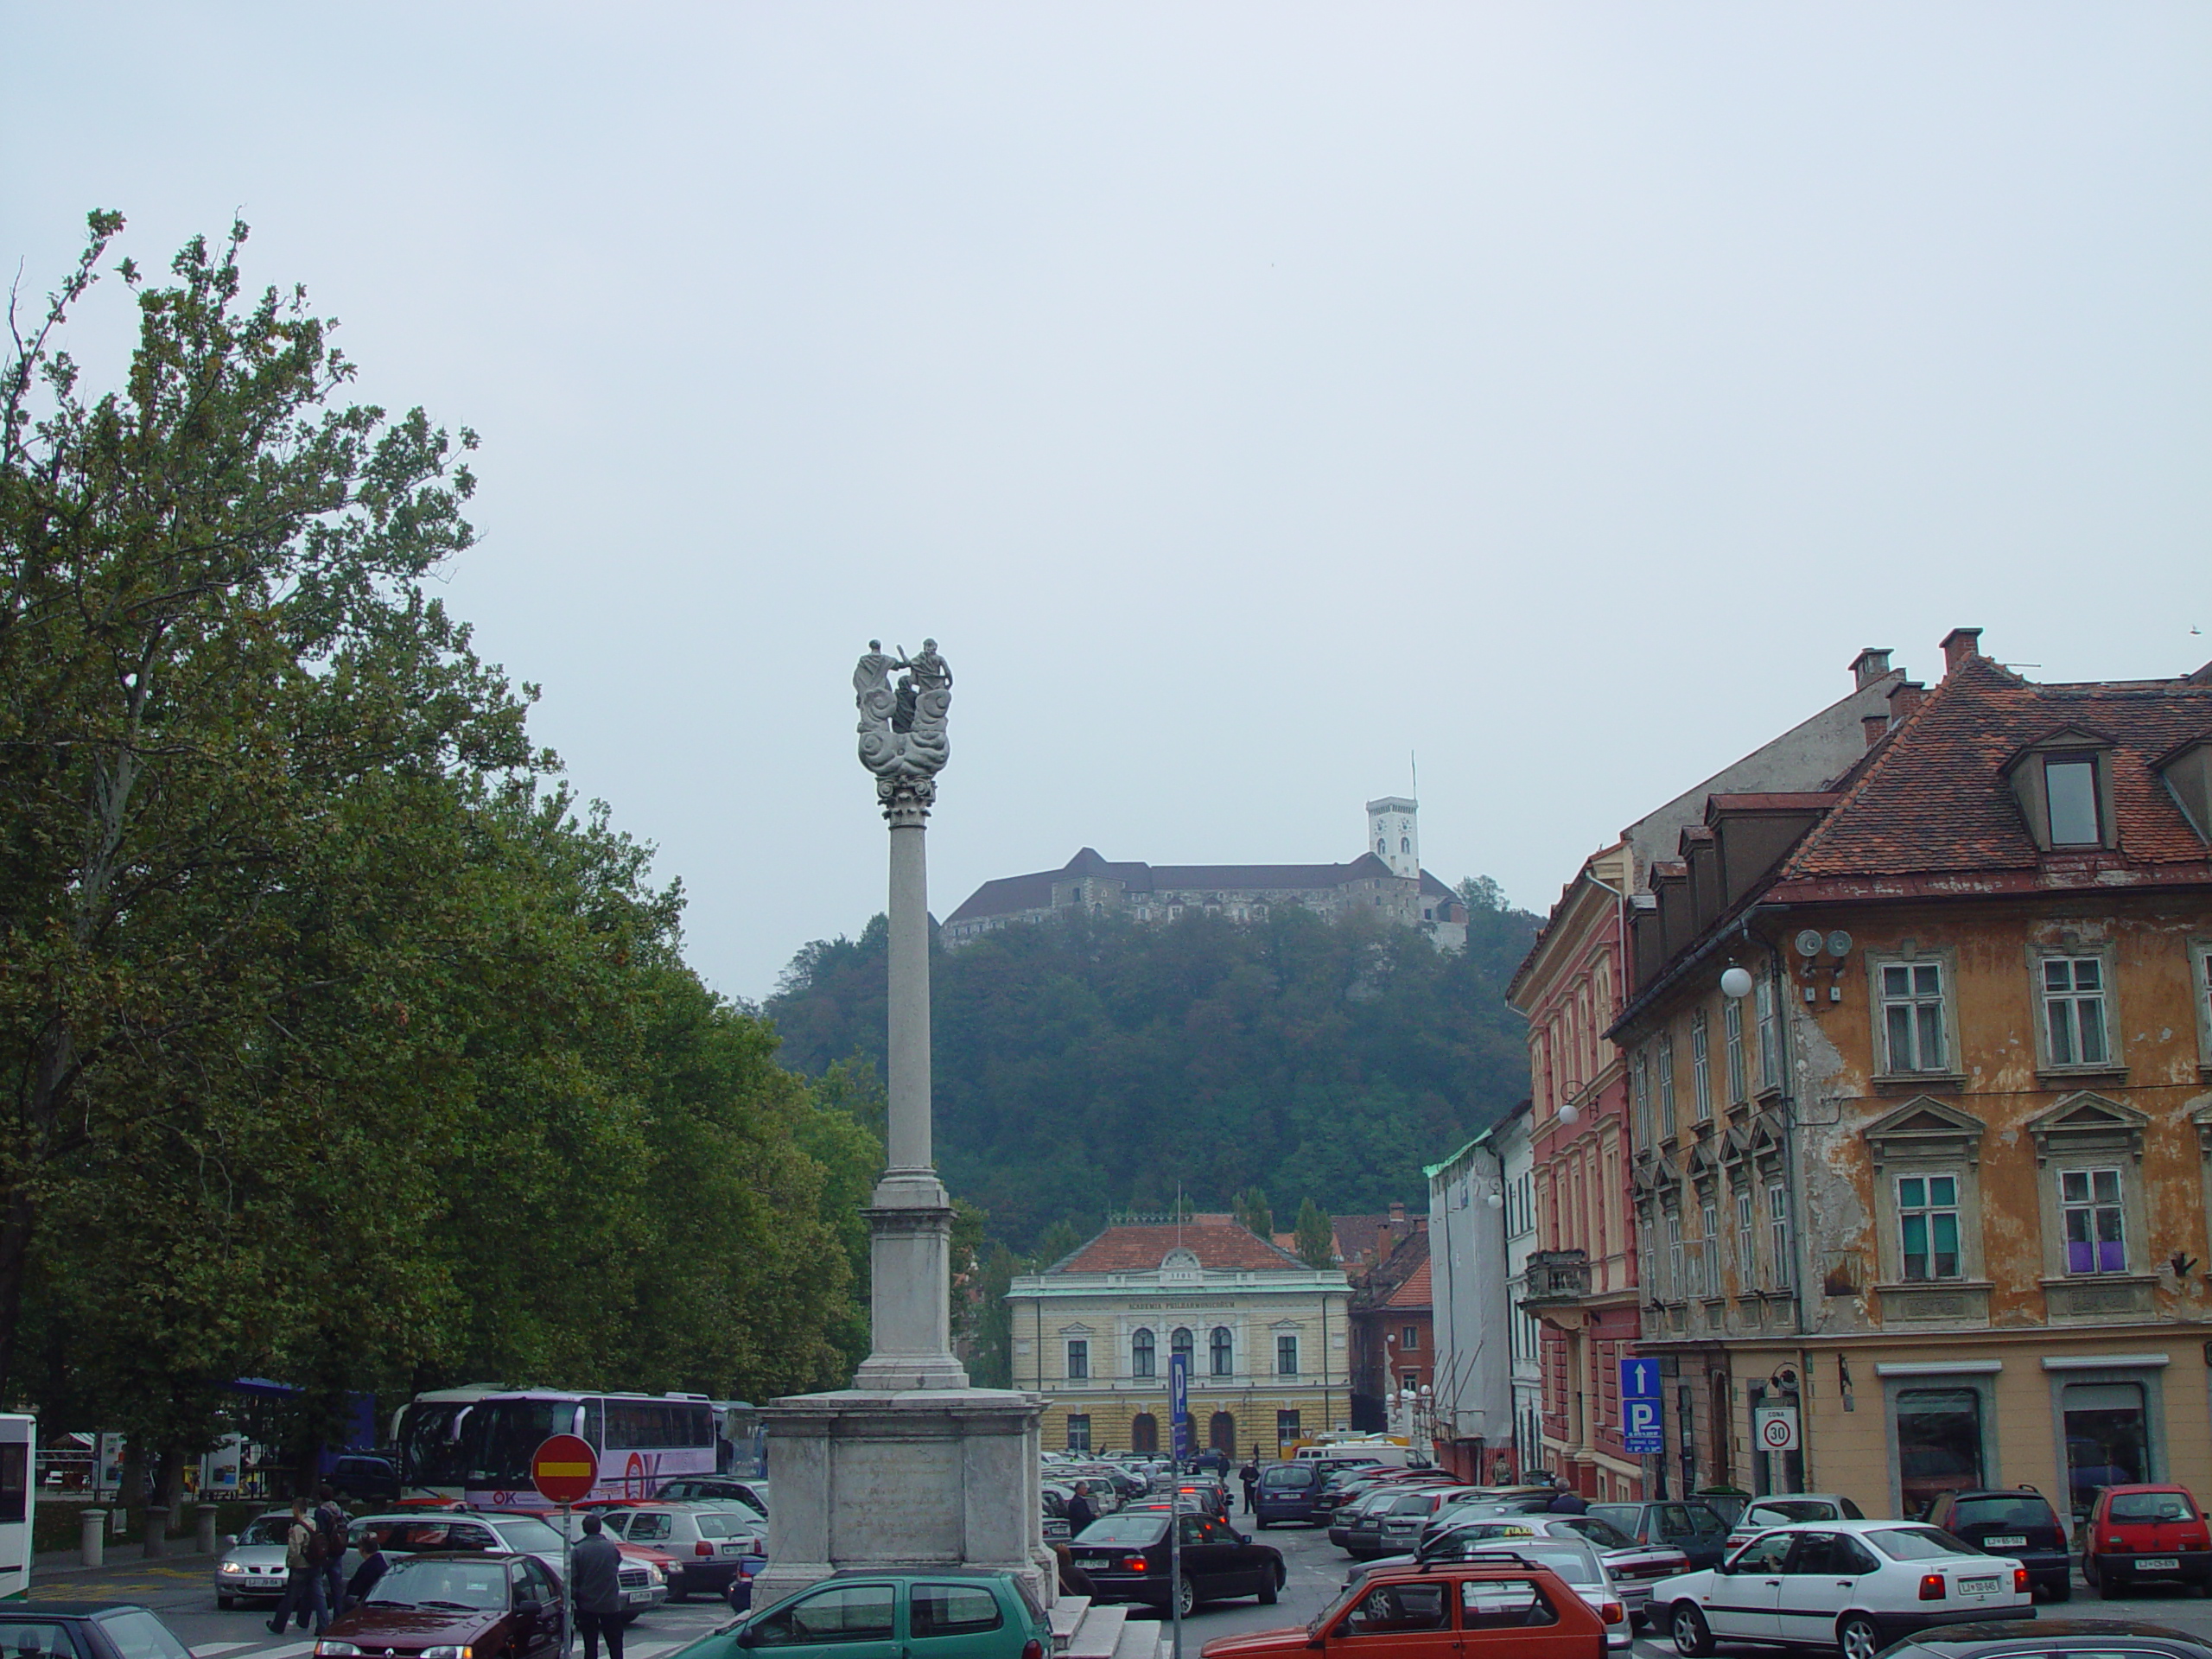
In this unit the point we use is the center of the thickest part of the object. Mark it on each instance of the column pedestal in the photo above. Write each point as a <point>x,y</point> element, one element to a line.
<point>910,1252</point>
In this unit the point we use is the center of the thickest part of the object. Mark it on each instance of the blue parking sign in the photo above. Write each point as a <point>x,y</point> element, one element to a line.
<point>1179,1402</point>
<point>1643,1433</point>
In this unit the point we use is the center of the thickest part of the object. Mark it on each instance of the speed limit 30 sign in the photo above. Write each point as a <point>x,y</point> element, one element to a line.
<point>1777,1427</point>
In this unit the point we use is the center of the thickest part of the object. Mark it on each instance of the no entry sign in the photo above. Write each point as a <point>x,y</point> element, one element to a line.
<point>565,1469</point>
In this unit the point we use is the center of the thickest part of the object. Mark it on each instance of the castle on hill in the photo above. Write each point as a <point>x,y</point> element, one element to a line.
<point>1386,881</point>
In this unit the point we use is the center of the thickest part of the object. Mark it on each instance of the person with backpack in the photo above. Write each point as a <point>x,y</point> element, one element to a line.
<point>303,1576</point>
<point>330,1524</point>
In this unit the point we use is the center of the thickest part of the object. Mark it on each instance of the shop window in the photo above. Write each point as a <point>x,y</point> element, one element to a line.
<point>1927,1225</point>
<point>2108,1440</point>
<point>1913,1035</point>
<point>1939,1444</point>
<point>2074,1028</point>
<point>2096,1235</point>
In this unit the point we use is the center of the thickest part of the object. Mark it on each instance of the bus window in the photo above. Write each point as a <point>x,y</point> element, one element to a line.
<point>15,1482</point>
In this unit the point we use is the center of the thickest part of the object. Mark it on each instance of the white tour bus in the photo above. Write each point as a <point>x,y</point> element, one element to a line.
<point>18,1458</point>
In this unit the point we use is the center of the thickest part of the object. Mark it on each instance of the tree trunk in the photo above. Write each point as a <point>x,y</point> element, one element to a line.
<point>15,1225</point>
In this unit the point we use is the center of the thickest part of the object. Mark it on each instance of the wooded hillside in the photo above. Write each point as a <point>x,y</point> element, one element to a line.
<point>1090,1065</point>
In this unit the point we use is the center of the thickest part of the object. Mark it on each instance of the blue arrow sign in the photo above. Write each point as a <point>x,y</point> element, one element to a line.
<point>1643,1431</point>
<point>1179,1402</point>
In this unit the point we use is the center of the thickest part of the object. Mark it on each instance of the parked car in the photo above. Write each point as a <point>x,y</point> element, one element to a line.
<point>1575,1560</point>
<point>1698,1531</point>
<point>100,1629</point>
<point>2019,1522</point>
<point>369,1478</point>
<point>1347,1516</point>
<point>1857,1585</point>
<point>1128,1557</point>
<point>1400,1523</point>
<point>251,1567</point>
<point>419,1532</point>
<point>1337,1480</point>
<point>2145,1533</point>
<point>1490,1609</point>
<point>1631,1568</point>
<point>945,1614</point>
<point>704,1544</point>
<point>2057,1638</point>
<point>487,1606</point>
<point>1770,1512</point>
<point>715,1489</point>
<point>1288,1492</point>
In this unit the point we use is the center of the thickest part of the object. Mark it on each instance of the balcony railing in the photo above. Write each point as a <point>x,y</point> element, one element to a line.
<point>1556,1276</point>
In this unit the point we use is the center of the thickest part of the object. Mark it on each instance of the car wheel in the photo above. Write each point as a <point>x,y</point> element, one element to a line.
<point>2106,1586</point>
<point>1857,1637</point>
<point>1270,1586</point>
<point>1186,1597</point>
<point>1692,1636</point>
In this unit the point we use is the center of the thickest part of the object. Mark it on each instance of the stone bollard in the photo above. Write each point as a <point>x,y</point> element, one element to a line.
<point>92,1537</point>
<point>157,1531</point>
<point>206,1529</point>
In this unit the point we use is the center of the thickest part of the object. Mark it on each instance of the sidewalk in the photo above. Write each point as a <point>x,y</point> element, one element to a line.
<point>60,1575</point>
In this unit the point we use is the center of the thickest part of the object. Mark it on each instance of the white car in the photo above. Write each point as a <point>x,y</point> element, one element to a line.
<point>1856,1584</point>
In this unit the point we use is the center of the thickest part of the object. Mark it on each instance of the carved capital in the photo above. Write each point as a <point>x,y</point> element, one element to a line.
<point>906,801</point>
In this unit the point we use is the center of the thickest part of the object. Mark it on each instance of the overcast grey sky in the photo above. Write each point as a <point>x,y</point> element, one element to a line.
<point>1244,395</point>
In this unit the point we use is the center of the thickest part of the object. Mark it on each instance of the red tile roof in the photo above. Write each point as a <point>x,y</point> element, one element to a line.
<point>1414,1291</point>
<point>1933,797</point>
<point>1139,1247</point>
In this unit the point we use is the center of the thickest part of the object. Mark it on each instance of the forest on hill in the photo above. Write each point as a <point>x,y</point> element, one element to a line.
<point>1092,1065</point>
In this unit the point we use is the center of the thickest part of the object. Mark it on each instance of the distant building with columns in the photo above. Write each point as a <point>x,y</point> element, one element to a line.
<point>1386,881</point>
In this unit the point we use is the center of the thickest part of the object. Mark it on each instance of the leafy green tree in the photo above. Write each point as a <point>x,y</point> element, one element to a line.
<point>990,1363</point>
<point>1482,894</point>
<point>1250,1208</point>
<point>1060,1240</point>
<point>1314,1237</point>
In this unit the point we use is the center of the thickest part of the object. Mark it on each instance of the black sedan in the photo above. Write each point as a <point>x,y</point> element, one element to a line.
<point>2055,1638</point>
<point>100,1629</point>
<point>1128,1557</point>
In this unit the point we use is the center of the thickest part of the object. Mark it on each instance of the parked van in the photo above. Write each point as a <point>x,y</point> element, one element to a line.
<point>1388,1454</point>
<point>1287,1492</point>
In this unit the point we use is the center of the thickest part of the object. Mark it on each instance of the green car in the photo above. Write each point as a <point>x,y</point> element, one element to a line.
<point>919,1613</point>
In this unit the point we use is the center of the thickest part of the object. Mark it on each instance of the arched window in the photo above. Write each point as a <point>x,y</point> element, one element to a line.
<point>1405,843</point>
<point>1382,846</point>
<point>1141,1360</point>
<point>1180,1343</point>
<point>1224,1353</point>
<point>1144,1433</point>
<point>1221,1433</point>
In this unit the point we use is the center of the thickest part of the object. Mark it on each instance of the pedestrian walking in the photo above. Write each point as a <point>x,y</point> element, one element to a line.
<point>330,1524</point>
<point>1080,1514</point>
<point>1249,1474</point>
<point>595,1589</point>
<point>370,1569</point>
<point>303,1577</point>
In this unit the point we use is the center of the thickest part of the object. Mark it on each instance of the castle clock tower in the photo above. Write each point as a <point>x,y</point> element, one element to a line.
<point>1394,834</point>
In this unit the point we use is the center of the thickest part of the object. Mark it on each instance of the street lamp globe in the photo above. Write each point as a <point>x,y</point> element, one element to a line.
<point>1736,983</point>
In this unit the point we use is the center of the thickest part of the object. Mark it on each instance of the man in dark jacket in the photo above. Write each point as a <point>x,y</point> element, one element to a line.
<point>1568,1501</point>
<point>595,1589</point>
<point>1249,1474</point>
<point>1080,1514</point>
<point>370,1569</point>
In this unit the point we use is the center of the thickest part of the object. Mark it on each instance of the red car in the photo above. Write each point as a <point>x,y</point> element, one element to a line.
<point>479,1605</point>
<point>2147,1534</point>
<point>1498,1609</point>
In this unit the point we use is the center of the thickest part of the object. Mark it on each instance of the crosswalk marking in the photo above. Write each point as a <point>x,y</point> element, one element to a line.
<point>211,1650</point>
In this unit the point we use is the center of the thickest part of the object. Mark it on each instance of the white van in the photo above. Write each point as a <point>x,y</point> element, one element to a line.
<point>1388,1454</point>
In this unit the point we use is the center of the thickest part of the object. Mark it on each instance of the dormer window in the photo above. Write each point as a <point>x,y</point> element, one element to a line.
<point>2069,783</point>
<point>2063,785</point>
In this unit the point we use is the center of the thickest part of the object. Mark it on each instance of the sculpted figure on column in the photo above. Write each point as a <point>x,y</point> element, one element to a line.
<point>902,728</point>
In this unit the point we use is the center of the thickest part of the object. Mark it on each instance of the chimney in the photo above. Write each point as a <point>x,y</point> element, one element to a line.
<point>1873,726</point>
<point>1905,698</point>
<point>1959,645</point>
<point>1397,1214</point>
<point>1868,666</point>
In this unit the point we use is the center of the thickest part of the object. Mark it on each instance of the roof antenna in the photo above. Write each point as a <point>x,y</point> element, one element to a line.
<point>1178,1214</point>
<point>1414,760</point>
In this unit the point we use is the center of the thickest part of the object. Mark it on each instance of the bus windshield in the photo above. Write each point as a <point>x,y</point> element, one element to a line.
<point>429,1442</point>
<point>501,1436</point>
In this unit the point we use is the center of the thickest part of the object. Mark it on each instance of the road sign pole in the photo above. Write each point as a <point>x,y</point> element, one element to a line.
<point>1178,1417</point>
<point>568,1582</point>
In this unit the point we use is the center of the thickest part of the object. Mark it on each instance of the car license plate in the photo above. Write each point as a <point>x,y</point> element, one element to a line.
<point>2006,1543</point>
<point>2158,1564</point>
<point>1977,1586</point>
<point>1091,1563</point>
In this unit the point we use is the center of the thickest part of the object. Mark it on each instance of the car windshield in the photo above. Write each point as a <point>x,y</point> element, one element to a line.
<point>141,1635</point>
<point>266,1529</point>
<point>1622,1515</point>
<point>2151,1506</point>
<point>1918,1543</point>
<point>533,1537</point>
<point>418,1583</point>
<point>1777,1513</point>
<point>1286,1478</point>
<point>1138,1527</point>
<point>2006,1510</point>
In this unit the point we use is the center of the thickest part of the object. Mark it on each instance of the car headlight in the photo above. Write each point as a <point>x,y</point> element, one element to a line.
<point>666,1569</point>
<point>232,1567</point>
<point>464,1651</point>
<point>335,1650</point>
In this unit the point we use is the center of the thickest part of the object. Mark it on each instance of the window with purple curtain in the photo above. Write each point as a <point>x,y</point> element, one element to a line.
<point>2096,1240</point>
